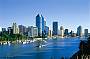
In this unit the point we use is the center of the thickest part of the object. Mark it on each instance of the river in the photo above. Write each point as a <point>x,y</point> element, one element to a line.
<point>52,49</point>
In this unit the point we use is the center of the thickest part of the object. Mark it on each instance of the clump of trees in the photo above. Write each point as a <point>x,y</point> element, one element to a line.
<point>11,37</point>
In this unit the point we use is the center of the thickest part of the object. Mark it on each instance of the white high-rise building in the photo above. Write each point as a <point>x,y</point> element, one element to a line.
<point>33,31</point>
<point>15,29</point>
<point>50,33</point>
<point>61,31</point>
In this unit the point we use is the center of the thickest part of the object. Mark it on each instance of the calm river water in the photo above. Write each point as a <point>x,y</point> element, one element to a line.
<point>53,49</point>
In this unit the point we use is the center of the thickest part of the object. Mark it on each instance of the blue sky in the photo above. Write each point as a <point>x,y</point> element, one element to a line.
<point>69,13</point>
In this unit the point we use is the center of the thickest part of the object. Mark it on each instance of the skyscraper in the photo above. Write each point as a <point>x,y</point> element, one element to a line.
<point>86,32</point>
<point>22,29</point>
<point>30,32</point>
<point>33,31</point>
<point>15,28</point>
<point>62,31</point>
<point>3,29</point>
<point>10,30</point>
<point>50,33</point>
<point>66,32</point>
<point>79,31</point>
<point>40,24</point>
<point>43,22</point>
<point>46,30</point>
<point>71,33</point>
<point>55,28</point>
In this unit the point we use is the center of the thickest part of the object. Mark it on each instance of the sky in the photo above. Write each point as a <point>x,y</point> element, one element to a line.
<point>69,13</point>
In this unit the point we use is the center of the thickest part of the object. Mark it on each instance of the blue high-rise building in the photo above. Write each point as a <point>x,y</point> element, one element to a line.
<point>79,31</point>
<point>43,25</point>
<point>40,24</point>
<point>66,32</point>
<point>55,28</point>
<point>86,32</point>
<point>46,30</point>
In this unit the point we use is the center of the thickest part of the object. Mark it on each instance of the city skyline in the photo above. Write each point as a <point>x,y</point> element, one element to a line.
<point>45,23</point>
<point>72,12</point>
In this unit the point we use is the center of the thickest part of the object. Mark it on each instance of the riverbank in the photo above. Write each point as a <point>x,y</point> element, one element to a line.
<point>84,50</point>
<point>21,41</point>
<point>16,42</point>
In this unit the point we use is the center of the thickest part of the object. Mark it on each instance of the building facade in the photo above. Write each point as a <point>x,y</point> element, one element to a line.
<point>50,33</point>
<point>61,31</point>
<point>40,24</point>
<point>10,30</point>
<point>46,30</point>
<point>66,32</point>
<point>30,32</point>
<point>15,28</point>
<point>86,32</point>
<point>79,31</point>
<point>3,30</point>
<point>55,28</point>
<point>33,31</point>
<point>22,29</point>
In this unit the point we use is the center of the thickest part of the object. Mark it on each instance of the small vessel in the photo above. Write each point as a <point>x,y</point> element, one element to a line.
<point>9,43</point>
<point>1,43</point>
<point>5,43</point>
<point>24,42</point>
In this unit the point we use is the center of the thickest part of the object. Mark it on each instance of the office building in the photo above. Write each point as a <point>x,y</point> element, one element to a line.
<point>35,31</point>
<point>40,24</point>
<point>66,32</point>
<point>86,32</point>
<point>30,32</point>
<point>50,33</point>
<point>79,31</point>
<point>55,28</point>
<point>3,30</point>
<point>61,31</point>
<point>15,28</point>
<point>71,33</point>
<point>22,29</point>
<point>46,30</point>
<point>10,30</point>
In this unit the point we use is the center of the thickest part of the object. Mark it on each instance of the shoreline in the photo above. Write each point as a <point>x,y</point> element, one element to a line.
<point>20,41</point>
<point>26,41</point>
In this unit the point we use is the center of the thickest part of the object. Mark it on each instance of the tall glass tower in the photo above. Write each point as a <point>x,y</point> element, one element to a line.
<point>55,28</point>
<point>40,24</point>
<point>86,32</point>
<point>79,31</point>
<point>43,24</point>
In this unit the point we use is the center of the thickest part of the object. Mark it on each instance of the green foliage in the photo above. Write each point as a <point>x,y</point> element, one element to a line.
<point>12,37</point>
